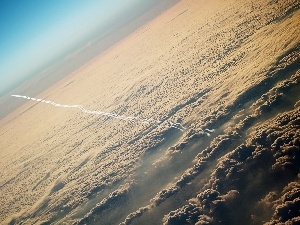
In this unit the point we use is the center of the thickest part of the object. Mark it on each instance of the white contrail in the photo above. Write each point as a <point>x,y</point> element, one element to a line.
<point>177,126</point>
<point>208,131</point>
<point>112,115</point>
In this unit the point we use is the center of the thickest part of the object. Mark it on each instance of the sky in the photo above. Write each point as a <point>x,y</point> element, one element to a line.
<point>35,33</point>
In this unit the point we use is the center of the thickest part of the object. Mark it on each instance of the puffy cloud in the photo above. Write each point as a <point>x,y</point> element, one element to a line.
<point>164,194</point>
<point>209,87</point>
<point>113,198</point>
<point>241,187</point>
<point>208,208</point>
<point>135,215</point>
<point>287,206</point>
<point>189,214</point>
<point>204,220</point>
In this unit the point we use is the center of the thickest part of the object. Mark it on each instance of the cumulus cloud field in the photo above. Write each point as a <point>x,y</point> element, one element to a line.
<point>227,71</point>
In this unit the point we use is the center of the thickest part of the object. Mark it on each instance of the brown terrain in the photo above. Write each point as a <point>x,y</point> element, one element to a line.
<point>228,71</point>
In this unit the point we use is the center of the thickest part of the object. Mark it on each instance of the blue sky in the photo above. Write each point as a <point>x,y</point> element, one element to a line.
<point>35,33</point>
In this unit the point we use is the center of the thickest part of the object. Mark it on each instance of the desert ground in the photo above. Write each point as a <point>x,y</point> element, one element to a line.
<point>212,90</point>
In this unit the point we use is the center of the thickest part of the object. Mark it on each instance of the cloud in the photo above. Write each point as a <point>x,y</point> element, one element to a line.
<point>242,185</point>
<point>209,207</point>
<point>286,206</point>
<point>150,121</point>
<point>135,215</point>
<point>112,199</point>
<point>188,214</point>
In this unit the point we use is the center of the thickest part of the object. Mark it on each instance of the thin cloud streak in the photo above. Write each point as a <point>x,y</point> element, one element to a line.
<point>150,121</point>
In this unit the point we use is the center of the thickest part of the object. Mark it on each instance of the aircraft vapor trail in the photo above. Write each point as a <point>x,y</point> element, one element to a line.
<point>112,115</point>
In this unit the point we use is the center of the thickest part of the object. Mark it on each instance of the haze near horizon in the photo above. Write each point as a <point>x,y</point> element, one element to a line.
<point>193,118</point>
<point>38,34</point>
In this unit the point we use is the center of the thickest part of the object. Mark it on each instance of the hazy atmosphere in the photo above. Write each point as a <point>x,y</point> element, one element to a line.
<point>37,34</point>
<point>150,112</point>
